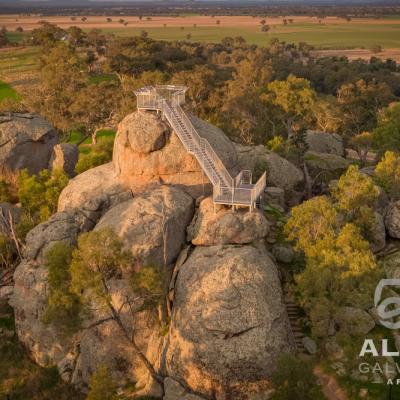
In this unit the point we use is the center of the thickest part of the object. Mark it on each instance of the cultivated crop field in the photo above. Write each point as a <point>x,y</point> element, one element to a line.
<point>326,33</point>
<point>357,38</point>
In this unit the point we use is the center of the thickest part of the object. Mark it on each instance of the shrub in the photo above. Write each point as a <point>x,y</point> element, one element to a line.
<point>386,135</point>
<point>148,283</point>
<point>39,194</point>
<point>101,153</point>
<point>277,145</point>
<point>5,191</point>
<point>102,386</point>
<point>387,174</point>
<point>63,308</point>
<point>294,379</point>
<point>355,195</point>
<point>26,223</point>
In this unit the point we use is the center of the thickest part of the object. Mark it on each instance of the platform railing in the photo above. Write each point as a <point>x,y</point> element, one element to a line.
<point>226,190</point>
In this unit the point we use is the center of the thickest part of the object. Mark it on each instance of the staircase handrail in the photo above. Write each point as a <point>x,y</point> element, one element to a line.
<point>224,184</point>
<point>204,144</point>
<point>167,111</point>
<point>220,165</point>
<point>238,178</point>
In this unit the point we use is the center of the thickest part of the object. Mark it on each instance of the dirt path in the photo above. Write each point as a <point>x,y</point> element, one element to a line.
<point>330,387</point>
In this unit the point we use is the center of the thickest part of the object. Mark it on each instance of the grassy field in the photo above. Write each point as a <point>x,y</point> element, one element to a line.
<point>7,92</point>
<point>18,59</point>
<point>323,36</point>
<point>328,33</point>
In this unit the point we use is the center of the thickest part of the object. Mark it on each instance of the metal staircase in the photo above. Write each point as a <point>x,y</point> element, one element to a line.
<point>226,190</point>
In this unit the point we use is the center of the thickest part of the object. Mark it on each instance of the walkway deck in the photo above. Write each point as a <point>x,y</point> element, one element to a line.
<point>238,191</point>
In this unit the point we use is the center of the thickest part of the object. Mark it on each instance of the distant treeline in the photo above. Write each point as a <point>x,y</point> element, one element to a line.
<point>368,10</point>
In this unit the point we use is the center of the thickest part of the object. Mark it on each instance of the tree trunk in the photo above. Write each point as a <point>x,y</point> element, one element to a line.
<point>131,339</point>
<point>308,189</point>
<point>94,137</point>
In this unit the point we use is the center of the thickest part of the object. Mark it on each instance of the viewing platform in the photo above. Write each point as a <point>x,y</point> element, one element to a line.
<point>239,191</point>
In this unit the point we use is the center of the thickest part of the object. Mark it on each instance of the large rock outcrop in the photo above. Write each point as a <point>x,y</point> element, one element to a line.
<point>99,341</point>
<point>354,321</point>
<point>9,214</point>
<point>61,227</point>
<point>391,263</point>
<point>147,152</point>
<point>223,226</point>
<point>152,224</point>
<point>327,166</point>
<point>323,142</point>
<point>392,220</point>
<point>378,233</point>
<point>44,343</point>
<point>229,323</point>
<point>94,190</point>
<point>281,173</point>
<point>77,356</point>
<point>64,157</point>
<point>26,141</point>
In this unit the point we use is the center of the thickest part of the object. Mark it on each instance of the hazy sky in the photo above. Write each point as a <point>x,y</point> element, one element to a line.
<point>235,1</point>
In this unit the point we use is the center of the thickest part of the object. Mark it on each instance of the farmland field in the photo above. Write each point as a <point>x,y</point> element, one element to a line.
<point>329,33</point>
<point>7,92</point>
<point>330,36</point>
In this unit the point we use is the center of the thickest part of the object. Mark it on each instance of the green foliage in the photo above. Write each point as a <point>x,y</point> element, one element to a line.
<point>93,104</point>
<point>46,35</point>
<point>148,283</point>
<point>63,307</point>
<point>5,191</point>
<point>7,92</point>
<point>39,194</point>
<point>293,100</point>
<point>294,379</point>
<point>277,145</point>
<point>362,143</point>
<point>359,104</point>
<point>332,234</point>
<point>26,223</point>
<point>100,153</point>
<point>355,195</point>
<point>387,174</point>
<point>312,222</point>
<point>102,386</point>
<point>98,257</point>
<point>243,112</point>
<point>62,75</point>
<point>326,114</point>
<point>386,136</point>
